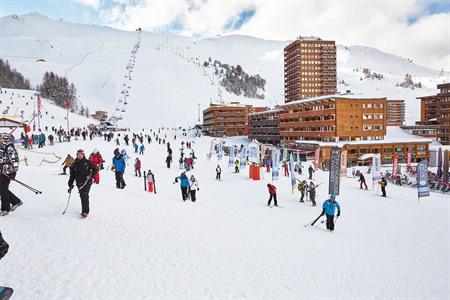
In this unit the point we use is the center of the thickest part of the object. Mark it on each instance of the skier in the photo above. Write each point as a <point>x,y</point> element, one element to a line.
<point>273,194</point>
<point>362,181</point>
<point>119,168</point>
<point>286,168</point>
<point>312,193</point>
<point>218,172</point>
<point>82,172</point>
<point>184,185</point>
<point>151,181</point>
<point>67,163</point>
<point>97,159</point>
<point>311,171</point>
<point>237,164</point>
<point>329,208</point>
<point>193,188</point>
<point>137,167</point>
<point>141,149</point>
<point>9,165</point>
<point>302,186</point>
<point>136,148</point>
<point>124,155</point>
<point>383,184</point>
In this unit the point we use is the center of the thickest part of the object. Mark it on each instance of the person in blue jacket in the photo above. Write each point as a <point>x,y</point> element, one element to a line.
<point>329,208</point>
<point>184,185</point>
<point>119,168</point>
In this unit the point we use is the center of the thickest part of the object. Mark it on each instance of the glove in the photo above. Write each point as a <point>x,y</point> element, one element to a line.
<point>88,178</point>
<point>339,213</point>
<point>198,190</point>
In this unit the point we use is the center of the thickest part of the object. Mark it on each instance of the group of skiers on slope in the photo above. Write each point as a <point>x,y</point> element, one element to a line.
<point>307,190</point>
<point>298,168</point>
<point>188,186</point>
<point>362,183</point>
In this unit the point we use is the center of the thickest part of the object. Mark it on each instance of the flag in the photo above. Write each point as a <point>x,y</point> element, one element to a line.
<point>316,158</point>
<point>408,159</point>
<point>343,169</point>
<point>39,103</point>
<point>445,171</point>
<point>292,169</point>
<point>423,188</point>
<point>253,150</point>
<point>275,164</point>
<point>243,157</point>
<point>395,166</point>
<point>219,151</point>
<point>439,166</point>
<point>231,157</point>
<point>376,167</point>
<point>68,104</point>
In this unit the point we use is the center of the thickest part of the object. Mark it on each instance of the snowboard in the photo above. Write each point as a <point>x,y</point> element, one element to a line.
<point>5,292</point>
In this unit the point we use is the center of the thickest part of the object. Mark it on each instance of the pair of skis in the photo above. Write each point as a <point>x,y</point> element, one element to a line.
<point>145,183</point>
<point>317,219</point>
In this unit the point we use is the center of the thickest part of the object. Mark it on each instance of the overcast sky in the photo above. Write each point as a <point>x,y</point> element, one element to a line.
<point>419,30</point>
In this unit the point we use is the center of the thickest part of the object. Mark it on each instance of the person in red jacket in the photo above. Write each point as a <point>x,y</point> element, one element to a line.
<point>273,194</point>
<point>137,167</point>
<point>97,159</point>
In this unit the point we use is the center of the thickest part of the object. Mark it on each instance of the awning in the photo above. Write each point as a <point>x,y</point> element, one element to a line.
<point>366,156</point>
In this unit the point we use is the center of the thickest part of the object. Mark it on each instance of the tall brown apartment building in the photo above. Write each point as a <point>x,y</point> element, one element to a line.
<point>395,112</point>
<point>309,68</point>
<point>333,118</point>
<point>428,110</point>
<point>227,120</point>
<point>443,113</point>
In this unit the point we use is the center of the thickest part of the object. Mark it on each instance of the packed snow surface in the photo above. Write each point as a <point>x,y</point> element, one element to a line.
<point>229,244</point>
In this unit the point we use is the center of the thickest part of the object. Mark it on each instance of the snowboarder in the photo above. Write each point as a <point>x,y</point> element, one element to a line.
<point>383,184</point>
<point>184,185</point>
<point>137,167</point>
<point>193,188</point>
<point>9,165</point>
<point>273,194</point>
<point>311,171</point>
<point>312,193</point>
<point>218,172</point>
<point>82,172</point>
<point>119,168</point>
<point>362,181</point>
<point>97,159</point>
<point>328,209</point>
<point>67,163</point>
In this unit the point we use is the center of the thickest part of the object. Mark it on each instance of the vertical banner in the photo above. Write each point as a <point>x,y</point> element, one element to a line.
<point>68,104</point>
<point>395,166</point>
<point>39,104</point>
<point>253,150</point>
<point>219,150</point>
<point>285,154</point>
<point>423,188</point>
<point>343,170</point>
<point>316,158</point>
<point>335,164</point>
<point>275,164</point>
<point>408,159</point>
<point>298,157</point>
<point>376,167</point>
<point>445,175</point>
<point>211,148</point>
<point>439,166</point>
<point>292,170</point>
<point>243,157</point>
<point>231,157</point>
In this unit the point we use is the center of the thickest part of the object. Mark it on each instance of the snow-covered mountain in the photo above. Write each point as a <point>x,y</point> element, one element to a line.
<point>169,81</point>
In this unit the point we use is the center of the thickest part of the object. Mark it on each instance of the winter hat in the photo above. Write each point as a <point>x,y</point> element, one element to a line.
<point>333,197</point>
<point>80,151</point>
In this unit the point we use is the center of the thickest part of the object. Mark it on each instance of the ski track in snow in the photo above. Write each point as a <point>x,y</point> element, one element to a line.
<point>229,244</point>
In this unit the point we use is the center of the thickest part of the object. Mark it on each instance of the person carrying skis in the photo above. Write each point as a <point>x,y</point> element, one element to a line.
<point>137,167</point>
<point>97,159</point>
<point>193,188</point>
<point>311,171</point>
<point>362,181</point>
<point>328,209</point>
<point>302,186</point>
<point>82,172</point>
<point>184,185</point>
<point>383,184</point>
<point>312,193</point>
<point>119,168</point>
<point>218,172</point>
<point>67,163</point>
<point>151,181</point>
<point>9,165</point>
<point>273,194</point>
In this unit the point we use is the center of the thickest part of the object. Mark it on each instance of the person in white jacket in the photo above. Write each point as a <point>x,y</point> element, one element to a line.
<point>193,187</point>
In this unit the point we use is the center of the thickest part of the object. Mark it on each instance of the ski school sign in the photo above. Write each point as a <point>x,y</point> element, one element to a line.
<point>335,164</point>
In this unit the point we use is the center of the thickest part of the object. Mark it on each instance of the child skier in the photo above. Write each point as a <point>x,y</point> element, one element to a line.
<point>218,172</point>
<point>383,184</point>
<point>97,159</point>
<point>237,165</point>
<point>273,194</point>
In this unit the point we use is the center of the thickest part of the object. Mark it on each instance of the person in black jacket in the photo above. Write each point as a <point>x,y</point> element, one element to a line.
<point>82,171</point>
<point>9,165</point>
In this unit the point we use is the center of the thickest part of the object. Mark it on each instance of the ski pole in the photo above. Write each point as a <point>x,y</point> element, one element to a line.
<point>68,200</point>
<point>25,185</point>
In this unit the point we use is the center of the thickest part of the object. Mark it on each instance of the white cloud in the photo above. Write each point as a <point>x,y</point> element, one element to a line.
<point>92,3</point>
<point>382,24</point>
